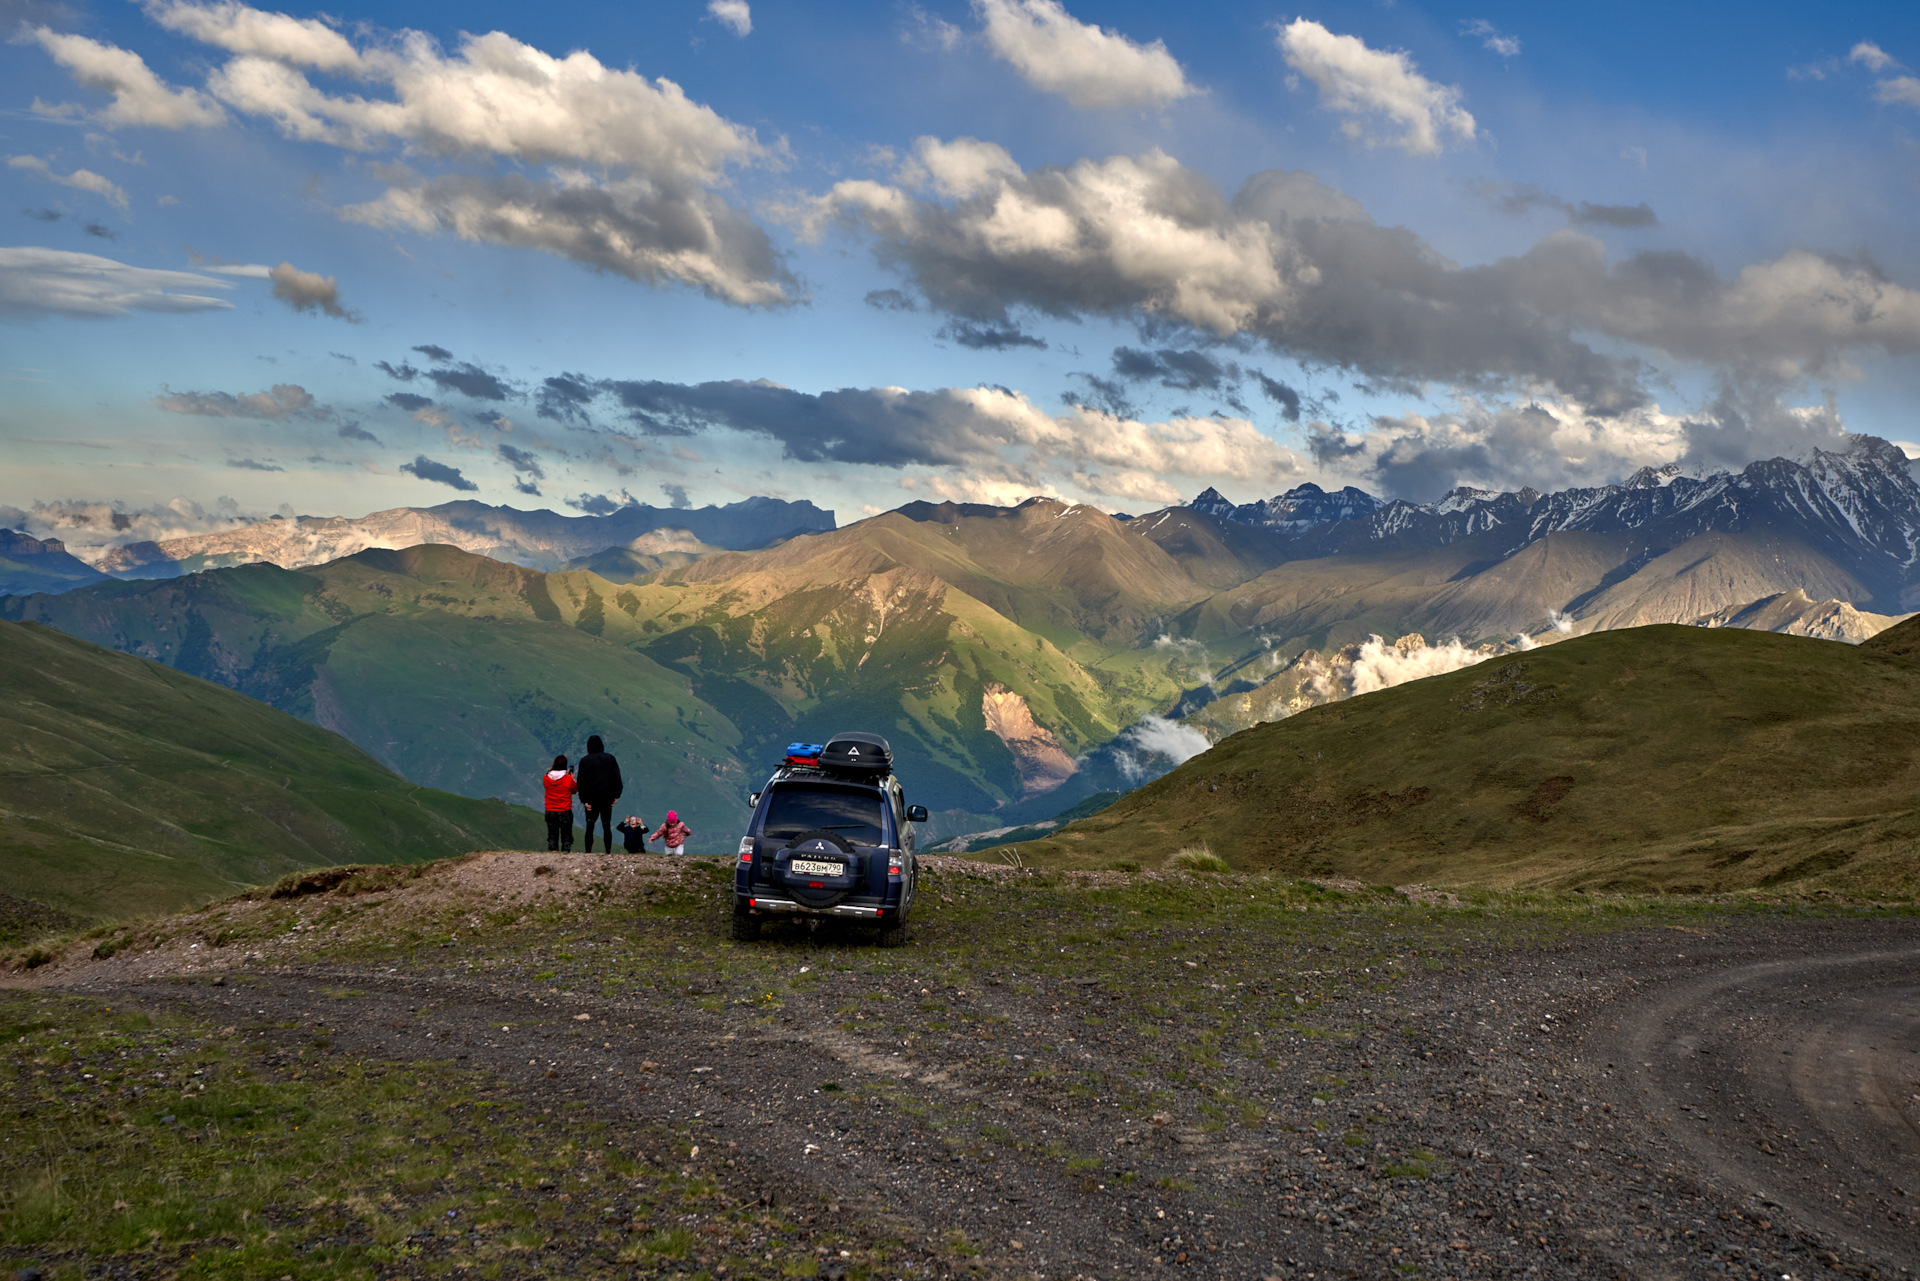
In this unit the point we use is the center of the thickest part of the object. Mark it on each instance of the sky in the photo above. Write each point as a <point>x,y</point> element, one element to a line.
<point>579,255</point>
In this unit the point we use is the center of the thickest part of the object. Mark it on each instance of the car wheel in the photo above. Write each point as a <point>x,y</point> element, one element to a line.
<point>894,932</point>
<point>746,927</point>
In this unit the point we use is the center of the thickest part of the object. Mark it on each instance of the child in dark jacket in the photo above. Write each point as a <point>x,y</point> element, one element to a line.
<point>634,833</point>
<point>560,787</point>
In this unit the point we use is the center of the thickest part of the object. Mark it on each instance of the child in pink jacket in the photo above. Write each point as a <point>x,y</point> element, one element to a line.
<point>674,832</point>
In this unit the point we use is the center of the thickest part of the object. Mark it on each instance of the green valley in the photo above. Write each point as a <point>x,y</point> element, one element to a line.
<point>133,789</point>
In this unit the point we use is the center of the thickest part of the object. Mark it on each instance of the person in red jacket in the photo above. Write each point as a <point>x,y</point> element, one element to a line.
<point>560,787</point>
<point>674,833</point>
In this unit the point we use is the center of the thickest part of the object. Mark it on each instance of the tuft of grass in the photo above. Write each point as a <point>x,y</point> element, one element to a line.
<point>1196,858</point>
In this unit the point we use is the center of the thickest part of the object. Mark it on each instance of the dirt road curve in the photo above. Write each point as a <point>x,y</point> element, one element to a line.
<point>1429,1094</point>
<point>1795,1081</point>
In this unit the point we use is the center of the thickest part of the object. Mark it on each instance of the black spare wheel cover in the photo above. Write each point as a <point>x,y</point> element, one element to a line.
<point>822,846</point>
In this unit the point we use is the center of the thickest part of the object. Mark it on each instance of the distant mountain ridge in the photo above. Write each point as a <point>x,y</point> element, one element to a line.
<point>1859,508</point>
<point>29,564</point>
<point>532,539</point>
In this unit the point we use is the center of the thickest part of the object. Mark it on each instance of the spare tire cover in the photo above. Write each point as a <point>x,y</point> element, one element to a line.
<point>814,888</point>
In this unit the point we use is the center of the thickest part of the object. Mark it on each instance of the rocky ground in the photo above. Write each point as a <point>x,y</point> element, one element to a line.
<point>1104,1076</point>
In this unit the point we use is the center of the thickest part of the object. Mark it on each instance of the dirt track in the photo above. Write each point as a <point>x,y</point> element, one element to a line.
<point>1733,1100</point>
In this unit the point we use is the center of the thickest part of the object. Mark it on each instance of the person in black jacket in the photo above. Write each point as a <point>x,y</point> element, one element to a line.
<point>600,786</point>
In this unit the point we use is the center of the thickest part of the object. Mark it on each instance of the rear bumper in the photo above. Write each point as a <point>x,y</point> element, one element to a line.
<point>859,911</point>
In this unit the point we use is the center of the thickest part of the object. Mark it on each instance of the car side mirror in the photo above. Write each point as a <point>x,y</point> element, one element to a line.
<point>916,813</point>
<point>754,800</point>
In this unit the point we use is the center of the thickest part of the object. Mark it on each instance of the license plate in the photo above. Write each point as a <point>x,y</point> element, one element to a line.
<point>810,867</point>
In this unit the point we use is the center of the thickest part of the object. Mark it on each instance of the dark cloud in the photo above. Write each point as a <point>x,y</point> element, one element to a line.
<point>880,299</point>
<point>101,230</point>
<point>250,464</point>
<point>677,495</point>
<point>54,215</point>
<point>408,401</point>
<point>1108,394</point>
<point>526,487</point>
<point>1330,447</point>
<point>433,351</point>
<point>341,355</point>
<point>521,461</point>
<point>565,398</point>
<point>601,504</point>
<point>310,291</point>
<point>470,380</point>
<point>283,400</point>
<point>978,337</point>
<point>354,431</point>
<point>1282,395</point>
<point>1173,368</point>
<point>404,372</point>
<point>439,473</point>
<point>1627,217</point>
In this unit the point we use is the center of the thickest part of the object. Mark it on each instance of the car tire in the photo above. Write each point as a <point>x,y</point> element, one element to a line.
<point>746,927</point>
<point>894,933</point>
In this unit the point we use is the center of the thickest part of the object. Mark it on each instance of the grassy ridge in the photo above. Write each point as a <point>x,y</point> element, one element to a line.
<point>131,788</point>
<point>1657,758</point>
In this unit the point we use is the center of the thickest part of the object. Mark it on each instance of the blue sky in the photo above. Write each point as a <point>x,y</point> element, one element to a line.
<point>569,255</point>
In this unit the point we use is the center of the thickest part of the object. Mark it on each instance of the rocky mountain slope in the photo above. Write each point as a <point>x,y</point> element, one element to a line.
<point>29,564</point>
<point>130,787</point>
<point>537,539</point>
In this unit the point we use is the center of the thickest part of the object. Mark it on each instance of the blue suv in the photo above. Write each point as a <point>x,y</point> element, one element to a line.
<point>831,836</point>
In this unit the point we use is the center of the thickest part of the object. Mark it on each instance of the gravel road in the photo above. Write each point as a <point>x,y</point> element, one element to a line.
<point>1737,1098</point>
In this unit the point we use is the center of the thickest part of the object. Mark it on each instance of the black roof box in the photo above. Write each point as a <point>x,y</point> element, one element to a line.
<point>868,755</point>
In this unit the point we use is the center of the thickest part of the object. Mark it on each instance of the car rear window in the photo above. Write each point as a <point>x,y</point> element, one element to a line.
<point>850,813</point>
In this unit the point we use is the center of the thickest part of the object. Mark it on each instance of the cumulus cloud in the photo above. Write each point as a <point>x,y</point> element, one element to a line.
<point>734,15</point>
<point>1374,88</point>
<point>1899,90</point>
<point>634,168</point>
<point>283,400</point>
<point>38,282</point>
<point>1378,665</point>
<point>79,179</point>
<point>1491,37</point>
<point>1090,67</point>
<point>426,468</point>
<point>1300,267</point>
<point>308,291</point>
<point>635,227</point>
<point>139,96</point>
<point>1871,56</point>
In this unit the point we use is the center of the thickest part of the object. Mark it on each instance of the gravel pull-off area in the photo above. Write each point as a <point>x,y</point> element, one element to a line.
<point>1210,1095</point>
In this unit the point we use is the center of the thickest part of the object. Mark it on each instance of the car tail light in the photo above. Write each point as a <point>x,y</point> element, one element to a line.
<point>746,849</point>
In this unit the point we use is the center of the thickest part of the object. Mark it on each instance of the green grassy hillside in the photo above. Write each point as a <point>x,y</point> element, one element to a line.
<point>130,788</point>
<point>1666,757</point>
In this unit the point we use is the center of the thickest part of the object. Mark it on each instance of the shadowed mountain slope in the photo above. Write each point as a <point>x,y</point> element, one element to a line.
<point>133,788</point>
<point>1655,757</point>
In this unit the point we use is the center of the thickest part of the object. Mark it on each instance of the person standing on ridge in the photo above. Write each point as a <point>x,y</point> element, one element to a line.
<point>560,787</point>
<point>600,787</point>
<point>674,833</point>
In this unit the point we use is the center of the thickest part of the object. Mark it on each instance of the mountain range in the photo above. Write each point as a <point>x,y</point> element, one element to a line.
<point>536,539</point>
<point>1022,658</point>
